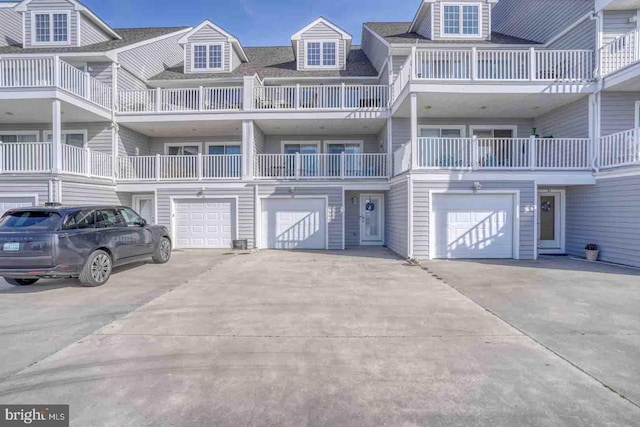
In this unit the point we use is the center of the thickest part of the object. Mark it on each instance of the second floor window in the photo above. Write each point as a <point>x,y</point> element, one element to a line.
<point>51,28</point>
<point>207,57</point>
<point>321,54</point>
<point>461,20</point>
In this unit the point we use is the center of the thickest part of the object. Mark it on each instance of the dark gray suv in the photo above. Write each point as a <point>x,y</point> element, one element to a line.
<point>83,242</point>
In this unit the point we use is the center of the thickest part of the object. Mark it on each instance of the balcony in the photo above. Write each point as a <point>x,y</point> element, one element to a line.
<point>620,53</point>
<point>336,97</point>
<point>181,100</point>
<point>171,168</point>
<point>37,157</point>
<point>320,166</point>
<point>51,72</point>
<point>493,65</point>
<point>620,149</point>
<point>512,154</point>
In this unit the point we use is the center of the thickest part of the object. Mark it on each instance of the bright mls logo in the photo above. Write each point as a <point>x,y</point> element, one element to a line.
<point>34,415</point>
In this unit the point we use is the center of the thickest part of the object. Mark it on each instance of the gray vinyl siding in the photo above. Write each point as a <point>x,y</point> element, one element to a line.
<point>258,140</point>
<point>245,208</point>
<point>235,59</point>
<point>77,194</point>
<point>421,212</point>
<point>395,218</point>
<point>617,111</point>
<point>204,36</point>
<point>323,32</point>
<point>23,185</point>
<point>90,33</point>
<point>537,20</point>
<point>152,58</point>
<point>273,143</point>
<point>47,6</point>
<point>437,20</point>
<point>352,216</point>
<point>128,81</point>
<point>569,121</point>
<point>334,210</point>
<point>400,133</point>
<point>616,23</point>
<point>98,133</point>
<point>383,140</point>
<point>101,71</point>
<point>11,27</point>
<point>425,28</point>
<point>374,48</point>
<point>129,140</point>
<point>158,144</point>
<point>605,214</point>
<point>581,37</point>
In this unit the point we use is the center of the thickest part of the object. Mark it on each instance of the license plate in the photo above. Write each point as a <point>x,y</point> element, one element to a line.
<point>11,247</point>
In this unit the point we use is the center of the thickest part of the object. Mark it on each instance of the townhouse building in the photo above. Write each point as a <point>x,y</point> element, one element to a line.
<point>475,129</point>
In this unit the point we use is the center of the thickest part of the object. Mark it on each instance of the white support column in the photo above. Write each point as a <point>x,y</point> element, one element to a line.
<point>87,154</point>
<point>248,93</point>
<point>248,149</point>
<point>532,64</point>
<point>475,154</point>
<point>115,133</point>
<point>413,63</point>
<point>87,86</point>
<point>414,131</point>
<point>390,171</point>
<point>199,165</point>
<point>56,137</point>
<point>474,63</point>
<point>533,158</point>
<point>56,71</point>
<point>158,100</point>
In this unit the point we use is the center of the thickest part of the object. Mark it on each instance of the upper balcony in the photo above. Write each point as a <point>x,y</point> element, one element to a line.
<point>619,61</point>
<point>23,78</point>
<point>495,66</point>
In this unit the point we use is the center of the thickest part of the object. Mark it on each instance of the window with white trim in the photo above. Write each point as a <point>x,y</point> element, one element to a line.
<point>322,54</point>
<point>461,20</point>
<point>77,139</point>
<point>207,57</point>
<point>19,137</point>
<point>51,28</point>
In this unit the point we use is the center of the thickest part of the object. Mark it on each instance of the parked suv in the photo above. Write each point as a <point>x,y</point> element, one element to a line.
<point>82,242</point>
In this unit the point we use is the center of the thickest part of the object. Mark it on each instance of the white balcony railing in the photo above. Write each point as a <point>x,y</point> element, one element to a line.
<point>620,149</point>
<point>619,53</point>
<point>181,100</point>
<point>336,97</point>
<point>402,159</point>
<point>170,168</point>
<point>314,166</point>
<point>505,153</point>
<point>52,72</point>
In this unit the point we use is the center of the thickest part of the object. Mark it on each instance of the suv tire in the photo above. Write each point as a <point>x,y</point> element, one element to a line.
<point>162,255</point>
<point>97,269</point>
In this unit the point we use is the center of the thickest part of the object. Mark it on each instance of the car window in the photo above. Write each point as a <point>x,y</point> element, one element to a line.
<point>108,218</point>
<point>131,218</point>
<point>80,220</point>
<point>30,220</point>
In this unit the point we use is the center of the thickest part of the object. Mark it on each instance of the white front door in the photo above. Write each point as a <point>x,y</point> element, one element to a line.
<point>550,222</point>
<point>145,207</point>
<point>371,219</point>
<point>472,226</point>
<point>204,223</point>
<point>299,223</point>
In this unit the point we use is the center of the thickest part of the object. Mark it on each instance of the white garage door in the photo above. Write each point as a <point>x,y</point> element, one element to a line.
<point>11,202</point>
<point>294,224</point>
<point>205,223</point>
<point>473,226</point>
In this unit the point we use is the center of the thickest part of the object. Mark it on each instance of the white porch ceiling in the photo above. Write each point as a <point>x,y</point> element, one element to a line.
<point>40,111</point>
<point>335,127</point>
<point>187,128</point>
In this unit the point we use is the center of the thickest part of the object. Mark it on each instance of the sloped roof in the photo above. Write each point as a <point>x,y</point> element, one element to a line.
<point>129,36</point>
<point>278,61</point>
<point>398,32</point>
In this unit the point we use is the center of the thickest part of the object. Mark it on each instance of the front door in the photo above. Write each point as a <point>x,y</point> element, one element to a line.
<point>372,219</point>
<point>550,222</point>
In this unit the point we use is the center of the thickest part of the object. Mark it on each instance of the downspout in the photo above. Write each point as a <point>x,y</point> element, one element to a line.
<point>409,217</point>
<point>256,216</point>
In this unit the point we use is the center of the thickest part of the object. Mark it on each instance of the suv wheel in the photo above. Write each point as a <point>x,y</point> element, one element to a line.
<point>163,251</point>
<point>20,282</point>
<point>97,270</point>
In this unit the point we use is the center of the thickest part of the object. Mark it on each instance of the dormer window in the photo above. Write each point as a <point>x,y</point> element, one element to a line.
<point>321,54</point>
<point>51,28</point>
<point>461,20</point>
<point>207,56</point>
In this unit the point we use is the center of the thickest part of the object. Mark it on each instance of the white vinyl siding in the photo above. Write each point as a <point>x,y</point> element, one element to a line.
<point>90,33</point>
<point>11,24</point>
<point>152,58</point>
<point>79,194</point>
<point>375,49</point>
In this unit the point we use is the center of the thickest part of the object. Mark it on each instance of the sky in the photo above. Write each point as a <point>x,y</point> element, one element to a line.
<point>253,22</point>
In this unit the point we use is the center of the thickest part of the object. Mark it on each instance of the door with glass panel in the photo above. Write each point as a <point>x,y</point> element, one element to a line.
<point>550,222</point>
<point>180,162</point>
<point>308,153</point>
<point>371,219</point>
<point>223,162</point>
<point>497,149</point>
<point>442,148</point>
<point>352,159</point>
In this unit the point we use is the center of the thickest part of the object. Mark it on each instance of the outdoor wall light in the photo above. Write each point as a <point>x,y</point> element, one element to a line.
<point>477,186</point>
<point>201,192</point>
<point>354,200</point>
<point>292,190</point>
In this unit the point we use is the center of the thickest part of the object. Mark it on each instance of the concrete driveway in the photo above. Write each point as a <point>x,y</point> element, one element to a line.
<point>307,338</point>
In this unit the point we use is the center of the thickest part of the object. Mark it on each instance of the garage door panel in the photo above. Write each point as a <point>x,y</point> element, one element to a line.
<point>294,224</point>
<point>473,226</point>
<point>205,223</point>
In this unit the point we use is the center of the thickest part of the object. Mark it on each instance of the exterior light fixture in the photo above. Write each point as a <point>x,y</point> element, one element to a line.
<point>477,186</point>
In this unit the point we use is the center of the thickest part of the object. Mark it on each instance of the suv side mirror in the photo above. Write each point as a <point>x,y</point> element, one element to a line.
<point>143,222</point>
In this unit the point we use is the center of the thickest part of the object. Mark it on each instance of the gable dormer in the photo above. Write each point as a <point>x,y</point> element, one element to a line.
<point>454,19</point>
<point>210,49</point>
<point>321,45</point>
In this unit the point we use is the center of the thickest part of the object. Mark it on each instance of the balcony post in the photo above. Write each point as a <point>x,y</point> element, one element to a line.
<point>412,63</point>
<point>157,167</point>
<point>199,165</point>
<point>87,159</point>
<point>247,149</point>
<point>475,153</point>
<point>343,165</point>
<point>248,93</point>
<point>414,131</point>
<point>2,82</point>
<point>87,84</point>
<point>474,63</point>
<point>158,100</point>
<point>297,95</point>
<point>532,64</point>
<point>343,96</point>
<point>532,153</point>
<point>56,71</point>
<point>200,98</point>
<point>56,137</point>
<point>1,157</point>
<point>297,166</point>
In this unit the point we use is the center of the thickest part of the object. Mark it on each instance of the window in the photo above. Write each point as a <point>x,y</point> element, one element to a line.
<point>51,28</point>
<point>34,220</point>
<point>461,20</point>
<point>301,148</point>
<point>131,218</point>
<point>74,138</point>
<point>80,220</point>
<point>444,132</point>
<point>207,57</point>
<point>19,137</point>
<point>348,148</point>
<point>322,54</point>
<point>182,150</point>
<point>109,218</point>
<point>224,149</point>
